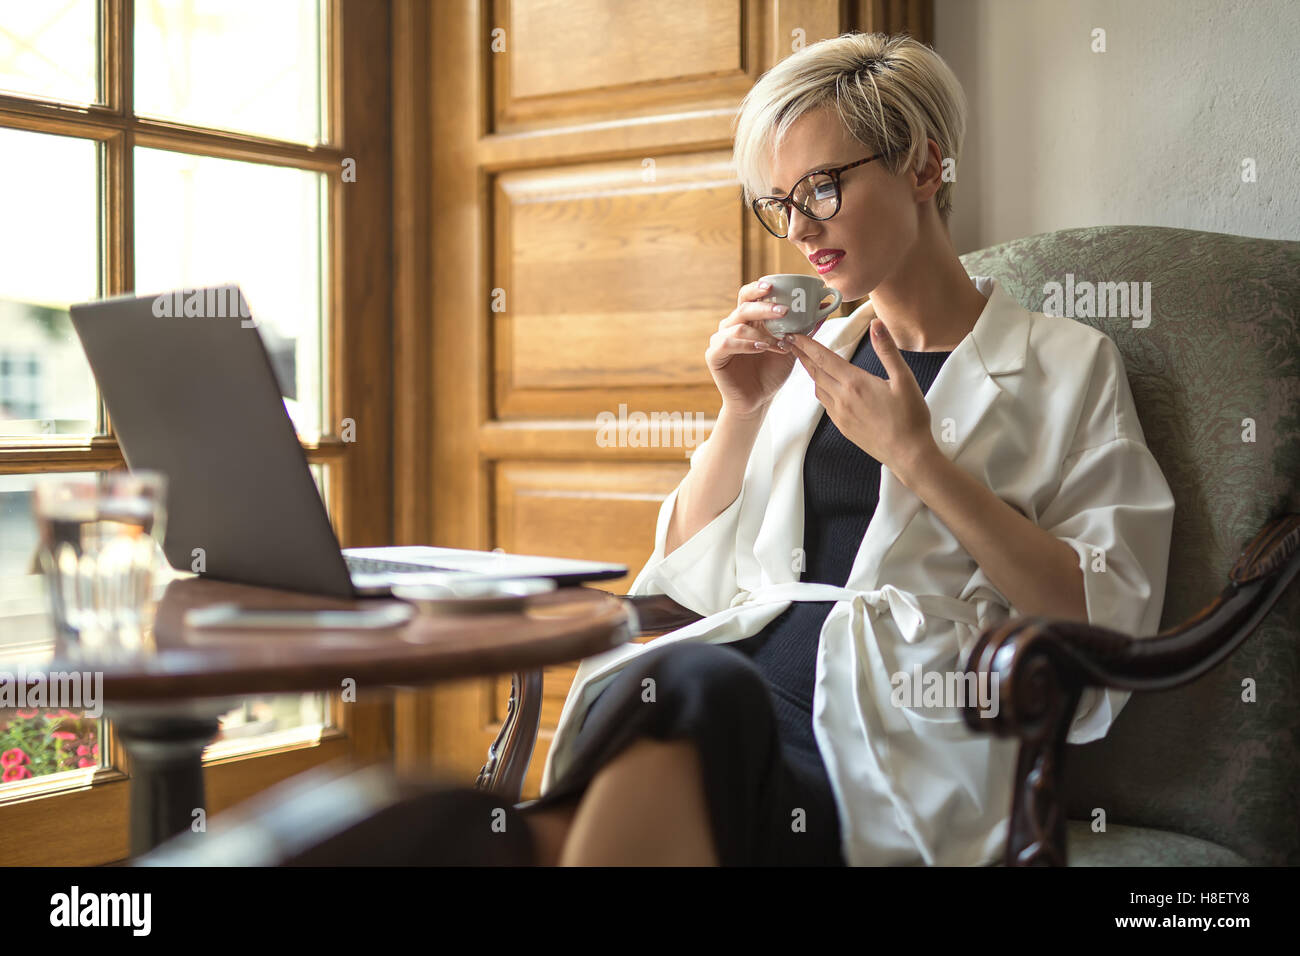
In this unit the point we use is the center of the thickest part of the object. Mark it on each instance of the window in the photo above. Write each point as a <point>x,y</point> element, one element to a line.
<point>21,385</point>
<point>159,144</point>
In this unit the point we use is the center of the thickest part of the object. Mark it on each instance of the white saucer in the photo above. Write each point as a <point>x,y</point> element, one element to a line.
<point>471,596</point>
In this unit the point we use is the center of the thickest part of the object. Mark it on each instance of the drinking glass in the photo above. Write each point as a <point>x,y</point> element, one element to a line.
<point>100,541</point>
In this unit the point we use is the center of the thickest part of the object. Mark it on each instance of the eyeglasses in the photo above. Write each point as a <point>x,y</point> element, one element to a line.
<point>817,195</point>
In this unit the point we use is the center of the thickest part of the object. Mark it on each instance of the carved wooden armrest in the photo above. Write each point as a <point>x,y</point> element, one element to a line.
<point>1043,666</point>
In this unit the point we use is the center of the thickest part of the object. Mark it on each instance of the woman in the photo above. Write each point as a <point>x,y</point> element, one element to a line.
<point>869,501</point>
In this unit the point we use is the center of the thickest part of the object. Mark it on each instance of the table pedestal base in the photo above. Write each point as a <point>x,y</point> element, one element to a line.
<point>165,749</point>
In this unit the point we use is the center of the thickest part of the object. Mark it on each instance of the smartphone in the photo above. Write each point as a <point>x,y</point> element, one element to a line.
<point>226,616</point>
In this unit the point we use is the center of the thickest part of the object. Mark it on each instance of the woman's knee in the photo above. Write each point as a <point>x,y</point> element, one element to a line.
<point>711,676</point>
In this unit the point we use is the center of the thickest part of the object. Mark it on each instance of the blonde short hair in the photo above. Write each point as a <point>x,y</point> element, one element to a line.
<point>890,92</point>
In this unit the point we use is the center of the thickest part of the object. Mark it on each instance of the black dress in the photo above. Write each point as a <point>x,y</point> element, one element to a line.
<point>748,704</point>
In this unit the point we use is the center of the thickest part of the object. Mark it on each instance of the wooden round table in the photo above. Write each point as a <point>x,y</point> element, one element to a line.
<point>165,698</point>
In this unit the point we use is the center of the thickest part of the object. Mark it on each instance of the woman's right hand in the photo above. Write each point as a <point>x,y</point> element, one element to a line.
<point>746,361</point>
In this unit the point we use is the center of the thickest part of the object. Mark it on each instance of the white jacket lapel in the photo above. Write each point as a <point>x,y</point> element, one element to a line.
<point>793,417</point>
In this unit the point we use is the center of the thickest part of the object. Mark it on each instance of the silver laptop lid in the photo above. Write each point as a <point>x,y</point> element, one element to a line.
<point>197,399</point>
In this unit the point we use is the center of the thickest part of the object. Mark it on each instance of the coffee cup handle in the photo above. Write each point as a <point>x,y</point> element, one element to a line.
<point>834,304</point>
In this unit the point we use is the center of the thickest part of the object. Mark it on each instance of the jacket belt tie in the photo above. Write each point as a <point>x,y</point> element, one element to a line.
<point>872,682</point>
<point>908,610</point>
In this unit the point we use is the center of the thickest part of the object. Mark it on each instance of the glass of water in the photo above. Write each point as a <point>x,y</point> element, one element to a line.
<point>100,538</point>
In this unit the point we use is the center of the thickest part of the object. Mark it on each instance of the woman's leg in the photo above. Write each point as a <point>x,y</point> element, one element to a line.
<point>646,807</point>
<point>642,794</point>
<point>550,829</point>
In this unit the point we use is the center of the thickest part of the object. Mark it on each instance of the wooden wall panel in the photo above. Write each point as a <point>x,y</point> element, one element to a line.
<point>594,59</point>
<point>625,42</point>
<point>897,16</point>
<point>591,510</point>
<point>582,254</point>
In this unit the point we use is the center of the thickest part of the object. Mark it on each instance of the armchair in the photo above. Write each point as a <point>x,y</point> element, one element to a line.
<point>1203,764</point>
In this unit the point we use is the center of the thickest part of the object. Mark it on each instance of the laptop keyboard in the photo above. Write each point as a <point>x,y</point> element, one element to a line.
<point>360,565</point>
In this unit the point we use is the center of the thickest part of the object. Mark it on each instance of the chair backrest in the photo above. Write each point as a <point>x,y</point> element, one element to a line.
<point>1218,365</point>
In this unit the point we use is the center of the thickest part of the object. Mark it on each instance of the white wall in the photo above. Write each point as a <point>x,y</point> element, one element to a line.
<point>1152,132</point>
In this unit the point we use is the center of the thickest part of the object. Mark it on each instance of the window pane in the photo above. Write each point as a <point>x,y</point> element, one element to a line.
<point>39,741</point>
<point>202,221</point>
<point>242,65</point>
<point>49,247</point>
<point>24,609</point>
<point>245,728</point>
<point>50,50</point>
<point>34,741</point>
<point>321,474</point>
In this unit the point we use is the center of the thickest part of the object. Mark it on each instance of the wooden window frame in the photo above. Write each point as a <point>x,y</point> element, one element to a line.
<point>81,819</point>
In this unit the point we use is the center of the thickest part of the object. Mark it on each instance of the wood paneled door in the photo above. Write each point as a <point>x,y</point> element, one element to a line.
<point>585,236</point>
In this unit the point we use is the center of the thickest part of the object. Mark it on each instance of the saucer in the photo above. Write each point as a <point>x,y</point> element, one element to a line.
<point>473,596</point>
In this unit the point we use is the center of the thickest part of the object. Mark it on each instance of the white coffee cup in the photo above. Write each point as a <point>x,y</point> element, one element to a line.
<point>802,296</point>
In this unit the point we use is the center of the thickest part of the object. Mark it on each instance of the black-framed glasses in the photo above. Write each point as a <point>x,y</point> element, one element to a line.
<point>817,195</point>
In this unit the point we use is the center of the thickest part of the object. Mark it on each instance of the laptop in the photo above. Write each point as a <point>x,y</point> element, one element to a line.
<point>197,399</point>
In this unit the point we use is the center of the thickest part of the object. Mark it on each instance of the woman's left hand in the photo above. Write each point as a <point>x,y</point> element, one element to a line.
<point>889,420</point>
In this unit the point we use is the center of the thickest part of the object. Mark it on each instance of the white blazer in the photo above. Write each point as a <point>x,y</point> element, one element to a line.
<point>1038,408</point>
